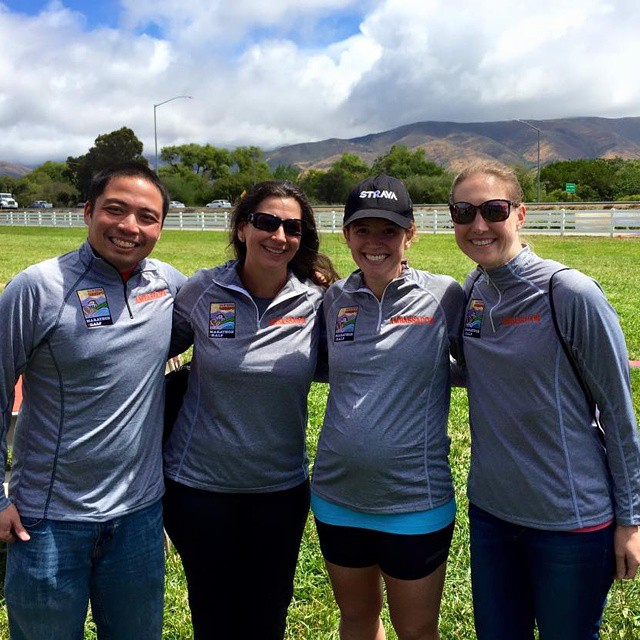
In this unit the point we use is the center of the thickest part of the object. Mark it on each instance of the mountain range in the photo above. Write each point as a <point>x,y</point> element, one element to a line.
<point>13,170</point>
<point>450,144</point>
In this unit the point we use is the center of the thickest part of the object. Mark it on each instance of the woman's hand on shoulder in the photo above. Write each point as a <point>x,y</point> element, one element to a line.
<point>627,549</point>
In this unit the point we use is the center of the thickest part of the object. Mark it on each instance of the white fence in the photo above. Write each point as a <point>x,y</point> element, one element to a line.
<point>429,219</point>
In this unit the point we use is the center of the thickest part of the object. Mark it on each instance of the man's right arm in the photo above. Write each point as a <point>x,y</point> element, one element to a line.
<point>18,318</point>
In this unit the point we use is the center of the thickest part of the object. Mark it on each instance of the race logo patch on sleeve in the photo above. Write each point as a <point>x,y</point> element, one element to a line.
<point>95,307</point>
<point>473,319</point>
<point>346,324</point>
<point>222,320</point>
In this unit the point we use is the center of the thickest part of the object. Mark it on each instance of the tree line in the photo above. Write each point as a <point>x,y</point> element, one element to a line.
<point>196,174</point>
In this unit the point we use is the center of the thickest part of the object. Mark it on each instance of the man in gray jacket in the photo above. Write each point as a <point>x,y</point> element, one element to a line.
<point>89,332</point>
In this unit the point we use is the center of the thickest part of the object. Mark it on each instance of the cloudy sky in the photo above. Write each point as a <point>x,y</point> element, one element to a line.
<point>276,72</point>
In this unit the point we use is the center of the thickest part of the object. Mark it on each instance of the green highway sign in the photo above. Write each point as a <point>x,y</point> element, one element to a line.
<point>570,187</point>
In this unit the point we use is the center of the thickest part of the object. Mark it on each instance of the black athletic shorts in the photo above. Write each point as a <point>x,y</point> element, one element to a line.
<point>405,557</point>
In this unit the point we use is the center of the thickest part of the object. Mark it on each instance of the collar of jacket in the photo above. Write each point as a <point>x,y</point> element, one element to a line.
<point>91,259</point>
<point>355,282</point>
<point>504,274</point>
<point>227,275</point>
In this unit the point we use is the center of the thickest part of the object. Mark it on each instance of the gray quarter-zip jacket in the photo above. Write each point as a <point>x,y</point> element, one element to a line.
<point>91,350</point>
<point>384,445</point>
<point>242,425</point>
<point>536,459</point>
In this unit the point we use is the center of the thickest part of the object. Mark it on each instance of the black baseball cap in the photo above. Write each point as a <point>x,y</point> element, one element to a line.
<point>379,197</point>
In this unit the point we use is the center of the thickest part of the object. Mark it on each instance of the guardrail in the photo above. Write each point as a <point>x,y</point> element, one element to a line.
<point>429,219</point>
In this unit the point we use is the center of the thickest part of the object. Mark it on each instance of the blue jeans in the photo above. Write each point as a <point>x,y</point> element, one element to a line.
<point>118,565</point>
<point>522,577</point>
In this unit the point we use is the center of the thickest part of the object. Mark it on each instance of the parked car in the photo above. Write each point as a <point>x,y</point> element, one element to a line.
<point>40,204</point>
<point>7,201</point>
<point>219,204</point>
<point>176,204</point>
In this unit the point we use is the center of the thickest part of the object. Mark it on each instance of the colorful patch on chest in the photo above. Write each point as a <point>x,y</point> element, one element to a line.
<point>346,324</point>
<point>473,319</point>
<point>95,307</point>
<point>222,320</point>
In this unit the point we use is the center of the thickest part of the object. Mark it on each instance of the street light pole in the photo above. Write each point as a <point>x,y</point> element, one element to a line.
<point>538,131</point>
<point>155,126</point>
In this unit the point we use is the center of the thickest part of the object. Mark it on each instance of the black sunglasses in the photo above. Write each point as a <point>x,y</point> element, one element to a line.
<point>269,222</point>
<point>492,211</point>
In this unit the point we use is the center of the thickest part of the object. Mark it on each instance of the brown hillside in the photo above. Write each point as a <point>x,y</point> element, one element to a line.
<point>450,143</point>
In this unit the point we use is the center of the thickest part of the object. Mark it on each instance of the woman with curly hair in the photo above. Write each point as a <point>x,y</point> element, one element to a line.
<point>237,493</point>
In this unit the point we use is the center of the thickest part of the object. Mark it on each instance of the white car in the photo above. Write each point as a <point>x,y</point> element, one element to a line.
<point>176,204</point>
<point>219,204</point>
<point>7,201</point>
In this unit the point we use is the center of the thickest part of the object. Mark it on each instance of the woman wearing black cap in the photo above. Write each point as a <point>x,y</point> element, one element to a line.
<point>382,489</point>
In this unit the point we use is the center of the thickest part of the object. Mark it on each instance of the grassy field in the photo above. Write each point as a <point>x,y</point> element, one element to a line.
<point>615,263</point>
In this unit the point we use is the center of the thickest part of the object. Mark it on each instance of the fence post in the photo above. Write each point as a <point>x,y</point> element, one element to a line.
<point>563,221</point>
<point>612,223</point>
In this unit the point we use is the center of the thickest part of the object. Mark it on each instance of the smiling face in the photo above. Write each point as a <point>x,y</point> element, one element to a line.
<point>377,247</point>
<point>490,244</point>
<point>125,222</point>
<point>270,251</point>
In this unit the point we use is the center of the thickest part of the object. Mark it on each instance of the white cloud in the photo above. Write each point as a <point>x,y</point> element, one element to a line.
<point>212,22</point>
<point>277,73</point>
<point>488,61</point>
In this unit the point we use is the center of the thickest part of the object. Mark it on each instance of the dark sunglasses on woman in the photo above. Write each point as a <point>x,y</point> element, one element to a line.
<point>269,222</point>
<point>496,210</point>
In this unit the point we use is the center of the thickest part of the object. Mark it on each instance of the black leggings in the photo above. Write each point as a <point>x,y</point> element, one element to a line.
<point>239,552</point>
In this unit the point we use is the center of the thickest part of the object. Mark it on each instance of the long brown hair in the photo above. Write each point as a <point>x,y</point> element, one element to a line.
<point>307,262</point>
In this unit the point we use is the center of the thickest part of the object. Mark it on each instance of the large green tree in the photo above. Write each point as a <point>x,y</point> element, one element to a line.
<point>429,189</point>
<point>599,179</point>
<point>288,172</point>
<point>207,160</point>
<point>183,184</point>
<point>627,181</point>
<point>401,163</point>
<point>250,162</point>
<point>333,186</point>
<point>248,167</point>
<point>49,182</point>
<point>118,146</point>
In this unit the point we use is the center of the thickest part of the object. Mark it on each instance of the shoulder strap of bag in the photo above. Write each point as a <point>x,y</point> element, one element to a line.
<point>567,350</point>
<point>473,284</point>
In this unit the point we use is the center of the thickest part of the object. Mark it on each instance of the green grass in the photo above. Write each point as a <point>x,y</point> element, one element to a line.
<point>615,263</point>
